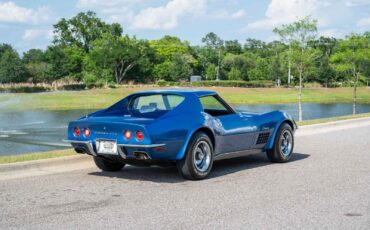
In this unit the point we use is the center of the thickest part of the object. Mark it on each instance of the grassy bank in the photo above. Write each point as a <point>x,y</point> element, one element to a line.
<point>36,156</point>
<point>101,98</point>
<point>70,152</point>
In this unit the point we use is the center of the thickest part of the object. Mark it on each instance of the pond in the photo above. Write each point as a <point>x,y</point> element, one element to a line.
<point>34,131</point>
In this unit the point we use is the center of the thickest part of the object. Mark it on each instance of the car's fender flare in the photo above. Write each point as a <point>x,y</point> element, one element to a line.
<point>209,131</point>
<point>270,143</point>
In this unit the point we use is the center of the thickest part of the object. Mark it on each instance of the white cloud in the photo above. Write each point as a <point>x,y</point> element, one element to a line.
<point>32,34</point>
<point>106,3</point>
<point>12,13</point>
<point>286,11</point>
<point>364,22</point>
<point>166,17</point>
<point>352,3</point>
<point>223,14</point>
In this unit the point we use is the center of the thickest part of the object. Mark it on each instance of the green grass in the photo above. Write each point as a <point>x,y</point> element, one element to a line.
<point>70,152</point>
<point>324,120</point>
<point>101,98</point>
<point>36,156</point>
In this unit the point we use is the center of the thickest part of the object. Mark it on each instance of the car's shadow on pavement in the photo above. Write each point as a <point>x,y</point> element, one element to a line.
<point>170,174</point>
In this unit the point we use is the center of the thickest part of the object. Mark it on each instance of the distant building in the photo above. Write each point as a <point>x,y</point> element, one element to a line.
<point>195,78</point>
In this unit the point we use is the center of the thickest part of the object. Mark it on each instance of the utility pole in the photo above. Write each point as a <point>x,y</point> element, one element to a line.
<point>289,64</point>
<point>218,65</point>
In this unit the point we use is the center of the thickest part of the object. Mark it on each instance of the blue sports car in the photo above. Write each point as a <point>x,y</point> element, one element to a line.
<point>184,127</point>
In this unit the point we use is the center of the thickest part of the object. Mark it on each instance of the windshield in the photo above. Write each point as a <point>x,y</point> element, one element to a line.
<point>154,105</point>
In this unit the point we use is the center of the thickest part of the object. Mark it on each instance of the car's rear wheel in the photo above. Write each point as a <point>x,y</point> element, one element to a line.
<point>198,160</point>
<point>283,145</point>
<point>107,165</point>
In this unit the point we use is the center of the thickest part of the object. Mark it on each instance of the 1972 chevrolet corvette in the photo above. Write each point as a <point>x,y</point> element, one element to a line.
<point>185,127</point>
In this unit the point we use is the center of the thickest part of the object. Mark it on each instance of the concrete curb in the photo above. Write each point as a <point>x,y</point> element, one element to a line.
<point>335,123</point>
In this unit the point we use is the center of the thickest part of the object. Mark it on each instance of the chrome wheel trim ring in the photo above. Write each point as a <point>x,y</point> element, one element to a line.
<point>202,156</point>
<point>286,143</point>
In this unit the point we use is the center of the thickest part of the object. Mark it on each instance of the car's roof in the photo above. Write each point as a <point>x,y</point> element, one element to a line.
<point>181,91</point>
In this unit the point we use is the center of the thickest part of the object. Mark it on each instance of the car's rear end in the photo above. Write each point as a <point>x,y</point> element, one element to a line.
<point>123,131</point>
<point>114,137</point>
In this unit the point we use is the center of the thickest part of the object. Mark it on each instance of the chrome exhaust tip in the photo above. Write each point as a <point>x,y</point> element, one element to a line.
<point>141,155</point>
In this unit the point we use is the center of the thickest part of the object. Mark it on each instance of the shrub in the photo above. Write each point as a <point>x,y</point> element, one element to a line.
<point>24,89</point>
<point>72,87</point>
<point>244,84</point>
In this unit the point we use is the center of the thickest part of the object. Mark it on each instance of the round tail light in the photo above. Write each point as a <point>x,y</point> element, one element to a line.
<point>76,132</point>
<point>86,132</point>
<point>139,136</point>
<point>127,134</point>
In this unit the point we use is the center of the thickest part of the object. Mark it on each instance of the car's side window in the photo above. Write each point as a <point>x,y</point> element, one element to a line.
<point>173,100</point>
<point>154,105</point>
<point>214,106</point>
<point>148,103</point>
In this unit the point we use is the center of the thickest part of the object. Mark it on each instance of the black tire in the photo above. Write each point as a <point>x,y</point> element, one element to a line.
<point>277,154</point>
<point>198,145</point>
<point>107,165</point>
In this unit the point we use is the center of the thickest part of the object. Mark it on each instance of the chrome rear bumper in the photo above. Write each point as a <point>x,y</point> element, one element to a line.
<point>87,147</point>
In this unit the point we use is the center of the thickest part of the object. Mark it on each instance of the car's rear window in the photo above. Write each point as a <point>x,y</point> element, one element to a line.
<point>154,105</point>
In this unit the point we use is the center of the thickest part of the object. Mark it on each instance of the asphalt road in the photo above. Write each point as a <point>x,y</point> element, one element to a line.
<point>325,186</point>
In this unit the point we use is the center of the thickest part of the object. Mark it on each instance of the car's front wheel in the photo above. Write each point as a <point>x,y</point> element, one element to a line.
<point>283,145</point>
<point>198,160</point>
<point>107,165</point>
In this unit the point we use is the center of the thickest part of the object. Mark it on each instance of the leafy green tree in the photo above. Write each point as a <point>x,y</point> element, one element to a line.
<point>234,74</point>
<point>325,72</point>
<point>233,46</point>
<point>33,56</point>
<point>236,62</point>
<point>300,33</point>
<point>11,67</point>
<point>114,56</point>
<point>211,72</point>
<point>261,71</point>
<point>214,46</point>
<point>352,58</point>
<point>64,61</point>
<point>82,30</point>
<point>35,64</point>
<point>166,47</point>
<point>174,59</point>
<point>180,68</point>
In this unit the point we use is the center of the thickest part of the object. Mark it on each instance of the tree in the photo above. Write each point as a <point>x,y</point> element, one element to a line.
<point>35,64</point>
<point>211,72</point>
<point>261,71</point>
<point>300,33</point>
<point>166,47</point>
<point>180,68</point>
<point>174,59</point>
<point>233,46</point>
<point>82,30</point>
<point>214,43</point>
<point>353,57</point>
<point>11,67</point>
<point>114,56</point>
<point>64,61</point>
<point>325,72</point>
<point>239,63</point>
<point>234,74</point>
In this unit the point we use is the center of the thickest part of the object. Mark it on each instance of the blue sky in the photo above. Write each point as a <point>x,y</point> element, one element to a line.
<point>28,24</point>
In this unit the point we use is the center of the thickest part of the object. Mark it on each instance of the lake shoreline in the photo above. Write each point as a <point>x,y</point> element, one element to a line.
<point>102,98</point>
